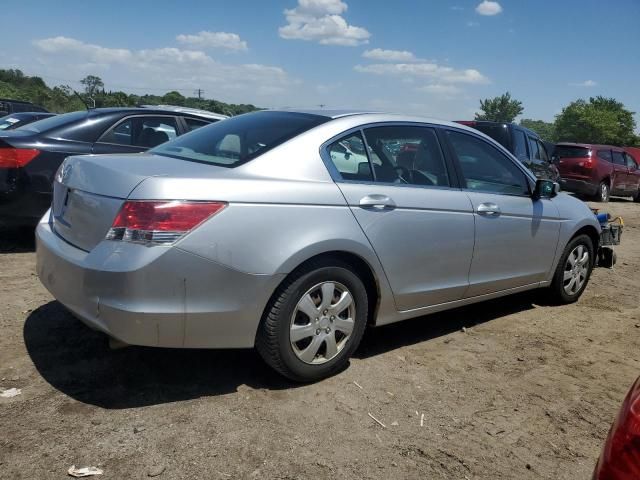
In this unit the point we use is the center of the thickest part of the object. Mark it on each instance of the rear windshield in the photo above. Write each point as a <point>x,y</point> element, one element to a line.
<point>571,152</point>
<point>499,132</point>
<point>50,123</point>
<point>232,142</point>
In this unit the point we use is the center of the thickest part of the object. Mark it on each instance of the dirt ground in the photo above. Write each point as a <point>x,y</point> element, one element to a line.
<point>527,391</point>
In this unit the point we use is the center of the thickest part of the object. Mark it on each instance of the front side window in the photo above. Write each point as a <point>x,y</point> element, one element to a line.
<point>350,159</point>
<point>520,145</point>
<point>239,139</point>
<point>631,163</point>
<point>406,155</point>
<point>144,132</point>
<point>486,169</point>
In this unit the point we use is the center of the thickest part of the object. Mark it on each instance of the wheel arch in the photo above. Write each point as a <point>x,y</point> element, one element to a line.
<point>592,233</point>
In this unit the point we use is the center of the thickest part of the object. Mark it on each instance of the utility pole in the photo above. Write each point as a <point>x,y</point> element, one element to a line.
<point>199,92</point>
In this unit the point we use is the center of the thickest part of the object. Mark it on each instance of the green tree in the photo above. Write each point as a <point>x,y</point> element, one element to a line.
<point>546,130</point>
<point>600,120</point>
<point>173,98</point>
<point>92,84</point>
<point>500,109</point>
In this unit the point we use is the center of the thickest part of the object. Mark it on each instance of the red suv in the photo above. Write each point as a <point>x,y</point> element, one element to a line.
<point>598,170</point>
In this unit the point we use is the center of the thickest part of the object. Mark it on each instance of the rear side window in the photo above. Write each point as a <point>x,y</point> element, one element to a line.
<point>239,139</point>
<point>605,155</point>
<point>571,152</point>
<point>542,151</point>
<point>520,145</point>
<point>486,169</point>
<point>193,124</point>
<point>142,132</point>
<point>535,148</point>
<point>406,155</point>
<point>618,159</point>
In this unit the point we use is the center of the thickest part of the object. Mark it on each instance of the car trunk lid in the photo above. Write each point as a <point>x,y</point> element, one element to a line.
<point>89,191</point>
<point>574,160</point>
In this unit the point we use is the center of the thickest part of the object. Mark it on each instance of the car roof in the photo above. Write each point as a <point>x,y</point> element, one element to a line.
<point>159,109</point>
<point>16,101</point>
<point>588,145</point>
<point>372,117</point>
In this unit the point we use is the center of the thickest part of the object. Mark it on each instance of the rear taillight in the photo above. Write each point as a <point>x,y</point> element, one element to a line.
<point>620,458</point>
<point>159,222</point>
<point>16,157</point>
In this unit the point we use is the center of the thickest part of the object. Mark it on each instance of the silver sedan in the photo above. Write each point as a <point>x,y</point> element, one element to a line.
<point>293,231</point>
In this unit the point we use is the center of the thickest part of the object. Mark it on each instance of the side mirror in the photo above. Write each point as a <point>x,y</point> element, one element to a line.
<point>545,189</point>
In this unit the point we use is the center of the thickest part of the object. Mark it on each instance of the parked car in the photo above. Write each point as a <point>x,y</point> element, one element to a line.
<point>620,457</point>
<point>598,170</point>
<point>249,232</point>
<point>30,155</point>
<point>8,106</point>
<point>15,120</point>
<point>526,145</point>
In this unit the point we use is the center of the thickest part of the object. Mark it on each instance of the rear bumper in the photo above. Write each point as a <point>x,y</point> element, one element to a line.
<point>153,296</point>
<point>578,186</point>
<point>19,206</point>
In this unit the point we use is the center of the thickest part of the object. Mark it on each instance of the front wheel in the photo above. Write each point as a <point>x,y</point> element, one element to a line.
<point>314,322</point>
<point>573,271</point>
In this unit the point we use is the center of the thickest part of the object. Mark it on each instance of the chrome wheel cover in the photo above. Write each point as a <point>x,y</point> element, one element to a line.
<point>322,322</point>
<point>575,270</point>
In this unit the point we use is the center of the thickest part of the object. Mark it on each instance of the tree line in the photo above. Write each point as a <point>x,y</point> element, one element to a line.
<point>599,120</point>
<point>14,84</point>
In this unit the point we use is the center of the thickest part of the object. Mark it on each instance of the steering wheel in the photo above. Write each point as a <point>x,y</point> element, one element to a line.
<point>404,175</point>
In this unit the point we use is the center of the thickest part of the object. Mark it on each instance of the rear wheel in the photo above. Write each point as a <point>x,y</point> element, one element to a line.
<point>603,192</point>
<point>636,197</point>
<point>314,322</point>
<point>573,271</point>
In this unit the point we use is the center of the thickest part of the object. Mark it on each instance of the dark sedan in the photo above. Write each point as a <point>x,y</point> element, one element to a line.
<point>15,120</point>
<point>30,155</point>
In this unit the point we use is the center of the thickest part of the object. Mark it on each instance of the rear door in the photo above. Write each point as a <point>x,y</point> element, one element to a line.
<point>515,236</point>
<point>409,207</point>
<point>137,133</point>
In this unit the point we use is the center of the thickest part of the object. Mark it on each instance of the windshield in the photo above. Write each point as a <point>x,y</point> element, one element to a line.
<point>499,132</point>
<point>50,123</point>
<point>8,122</point>
<point>232,142</point>
<point>571,152</point>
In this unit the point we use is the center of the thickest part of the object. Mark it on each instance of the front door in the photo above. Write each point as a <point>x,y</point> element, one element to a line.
<point>421,228</point>
<point>516,236</point>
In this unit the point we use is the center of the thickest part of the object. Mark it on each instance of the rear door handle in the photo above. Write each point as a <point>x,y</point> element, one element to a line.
<point>375,200</point>
<point>489,209</point>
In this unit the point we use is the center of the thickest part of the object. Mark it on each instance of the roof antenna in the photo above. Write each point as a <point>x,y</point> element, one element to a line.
<point>84,102</point>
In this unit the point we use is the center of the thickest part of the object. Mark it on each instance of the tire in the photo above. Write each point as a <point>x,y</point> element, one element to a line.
<point>636,197</point>
<point>575,271</point>
<point>327,318</point>
<point>603,192</point>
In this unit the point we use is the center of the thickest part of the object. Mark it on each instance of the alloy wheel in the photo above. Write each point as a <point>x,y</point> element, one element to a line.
<point>322,322</point>
<point>576,270</point>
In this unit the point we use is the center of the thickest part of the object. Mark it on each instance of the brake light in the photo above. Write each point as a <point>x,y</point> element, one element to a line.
<point>16,157</point>
<point>160,222</point>
<point>468,123</point>
<point>620,459</point>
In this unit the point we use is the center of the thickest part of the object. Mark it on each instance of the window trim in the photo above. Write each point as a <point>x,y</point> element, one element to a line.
<point>117,124</point>
<point>529,178</point>
<point>337,177</point>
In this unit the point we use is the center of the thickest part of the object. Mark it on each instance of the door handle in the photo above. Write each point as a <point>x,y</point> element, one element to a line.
<point>377,201</point>
<point>489,209</point>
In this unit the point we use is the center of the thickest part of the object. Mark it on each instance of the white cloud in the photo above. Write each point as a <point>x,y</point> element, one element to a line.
<point>321,21</point>
<point>489,8</point>
<point>586,83</point>
<point>162,69</point>
<point>390,55</point>
<point>433,71</point>
<point>221,40</point>
<point>438,88</point>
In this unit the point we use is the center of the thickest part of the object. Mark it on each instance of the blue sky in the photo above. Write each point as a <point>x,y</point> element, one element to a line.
<point>433,57</point>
